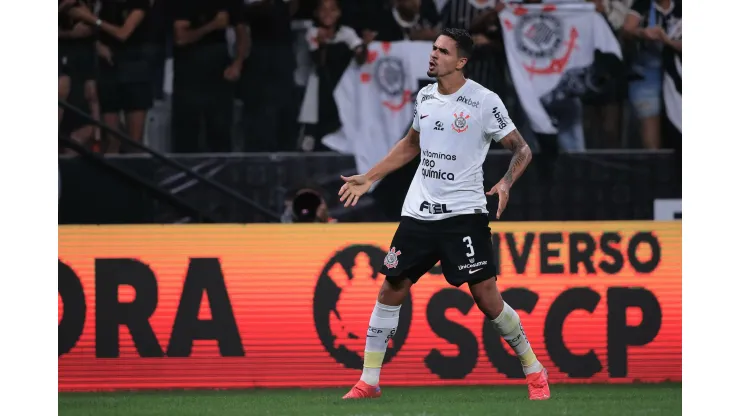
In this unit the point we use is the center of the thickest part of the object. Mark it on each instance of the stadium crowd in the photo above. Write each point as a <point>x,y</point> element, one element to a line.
<point>190,76</point>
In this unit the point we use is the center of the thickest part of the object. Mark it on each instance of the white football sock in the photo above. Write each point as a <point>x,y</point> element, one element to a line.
<point>383,324</point>
<point>509,326</point>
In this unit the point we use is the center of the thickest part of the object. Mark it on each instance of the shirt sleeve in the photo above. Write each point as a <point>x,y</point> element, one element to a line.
<point>495,118</point>
<point>349,37</point>
<point>415,123</point>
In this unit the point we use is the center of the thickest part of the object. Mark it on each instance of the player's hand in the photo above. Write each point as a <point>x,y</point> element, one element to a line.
<point>353,188</point>
<point>502,190</point>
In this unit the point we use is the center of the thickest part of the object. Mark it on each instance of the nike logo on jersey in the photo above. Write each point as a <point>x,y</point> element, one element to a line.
<point>425,116</point>
<point>475,271</point>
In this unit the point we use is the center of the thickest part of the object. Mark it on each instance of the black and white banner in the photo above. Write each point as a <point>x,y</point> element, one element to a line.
<point>672,78</point>
<point>553,51</point>
<point>376,100</point>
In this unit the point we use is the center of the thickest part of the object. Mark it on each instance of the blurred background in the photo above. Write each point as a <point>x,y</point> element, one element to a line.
<point>237,111</point>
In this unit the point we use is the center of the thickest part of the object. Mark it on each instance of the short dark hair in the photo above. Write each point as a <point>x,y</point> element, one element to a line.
<point>462,38</point>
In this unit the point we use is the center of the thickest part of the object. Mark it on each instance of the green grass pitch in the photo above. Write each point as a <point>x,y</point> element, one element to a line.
<point>571,400</point>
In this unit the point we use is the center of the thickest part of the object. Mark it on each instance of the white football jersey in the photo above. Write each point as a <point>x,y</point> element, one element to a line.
<point>456,131</point>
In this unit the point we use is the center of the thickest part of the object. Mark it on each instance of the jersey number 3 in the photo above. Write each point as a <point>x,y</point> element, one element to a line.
<point>468,242</point>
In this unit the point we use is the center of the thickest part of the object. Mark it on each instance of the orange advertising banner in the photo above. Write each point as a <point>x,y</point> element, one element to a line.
<point>238,306</point>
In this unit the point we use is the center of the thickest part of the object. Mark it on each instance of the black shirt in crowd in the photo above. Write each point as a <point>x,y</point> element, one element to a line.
<point>269,22</point>
<point>200,12</point>
<point>391,27</point>
<point>67,23</point>
<point>116,12</point>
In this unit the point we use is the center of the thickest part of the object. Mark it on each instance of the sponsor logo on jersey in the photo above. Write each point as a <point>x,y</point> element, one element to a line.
<point>434,208</point>
<point>473,265</point>
<point>429,165</point>
<point>465,100</point>
<point>499,118</point>
<point>435,155</point>
<point>437,174</point>
<point>425,97</point>
<point>439,126</point>
<point>461,122</point>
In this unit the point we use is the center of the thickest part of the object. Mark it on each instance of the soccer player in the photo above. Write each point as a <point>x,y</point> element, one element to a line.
<point>444,216</point>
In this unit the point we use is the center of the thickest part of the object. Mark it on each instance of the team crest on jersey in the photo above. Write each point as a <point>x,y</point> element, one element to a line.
<point>461,122</point>
<point>391,259</point>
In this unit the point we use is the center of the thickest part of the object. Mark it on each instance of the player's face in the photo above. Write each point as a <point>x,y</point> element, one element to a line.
<point>444,59</point>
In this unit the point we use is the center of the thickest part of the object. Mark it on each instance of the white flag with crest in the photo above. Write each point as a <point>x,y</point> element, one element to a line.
<point>550,49</point>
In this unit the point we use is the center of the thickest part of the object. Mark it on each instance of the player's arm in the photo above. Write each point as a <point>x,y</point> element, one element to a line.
<point>498,127</point>
<point>402,153</point>
<point>522,156</point>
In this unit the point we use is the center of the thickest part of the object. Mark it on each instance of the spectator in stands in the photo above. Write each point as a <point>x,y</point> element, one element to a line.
<point>332,46</point>
<point>407,20</point>
<point>648,25</point>
<point>159,25</point>
<point>268,88</point>
<point>205,74</point>
<point>125,83</point>
<point>77,58</point>
<point>602,117</point>
<point>487,66</point>
<point>75,127</point>
<point>306,206</point>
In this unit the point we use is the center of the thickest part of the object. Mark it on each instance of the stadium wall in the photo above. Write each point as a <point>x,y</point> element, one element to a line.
<point>258,305</point>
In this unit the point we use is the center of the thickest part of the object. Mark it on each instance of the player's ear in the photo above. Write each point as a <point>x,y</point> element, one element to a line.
<point>461,63</point>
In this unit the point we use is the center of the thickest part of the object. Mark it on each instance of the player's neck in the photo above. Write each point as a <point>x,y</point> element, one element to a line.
<point>450,84</point>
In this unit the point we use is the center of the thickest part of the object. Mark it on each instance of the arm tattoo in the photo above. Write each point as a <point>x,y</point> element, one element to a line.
<point>522,156</point>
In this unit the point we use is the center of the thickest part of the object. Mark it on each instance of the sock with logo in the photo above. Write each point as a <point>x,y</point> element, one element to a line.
<point>383,324</point>
<point>509,326</point>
